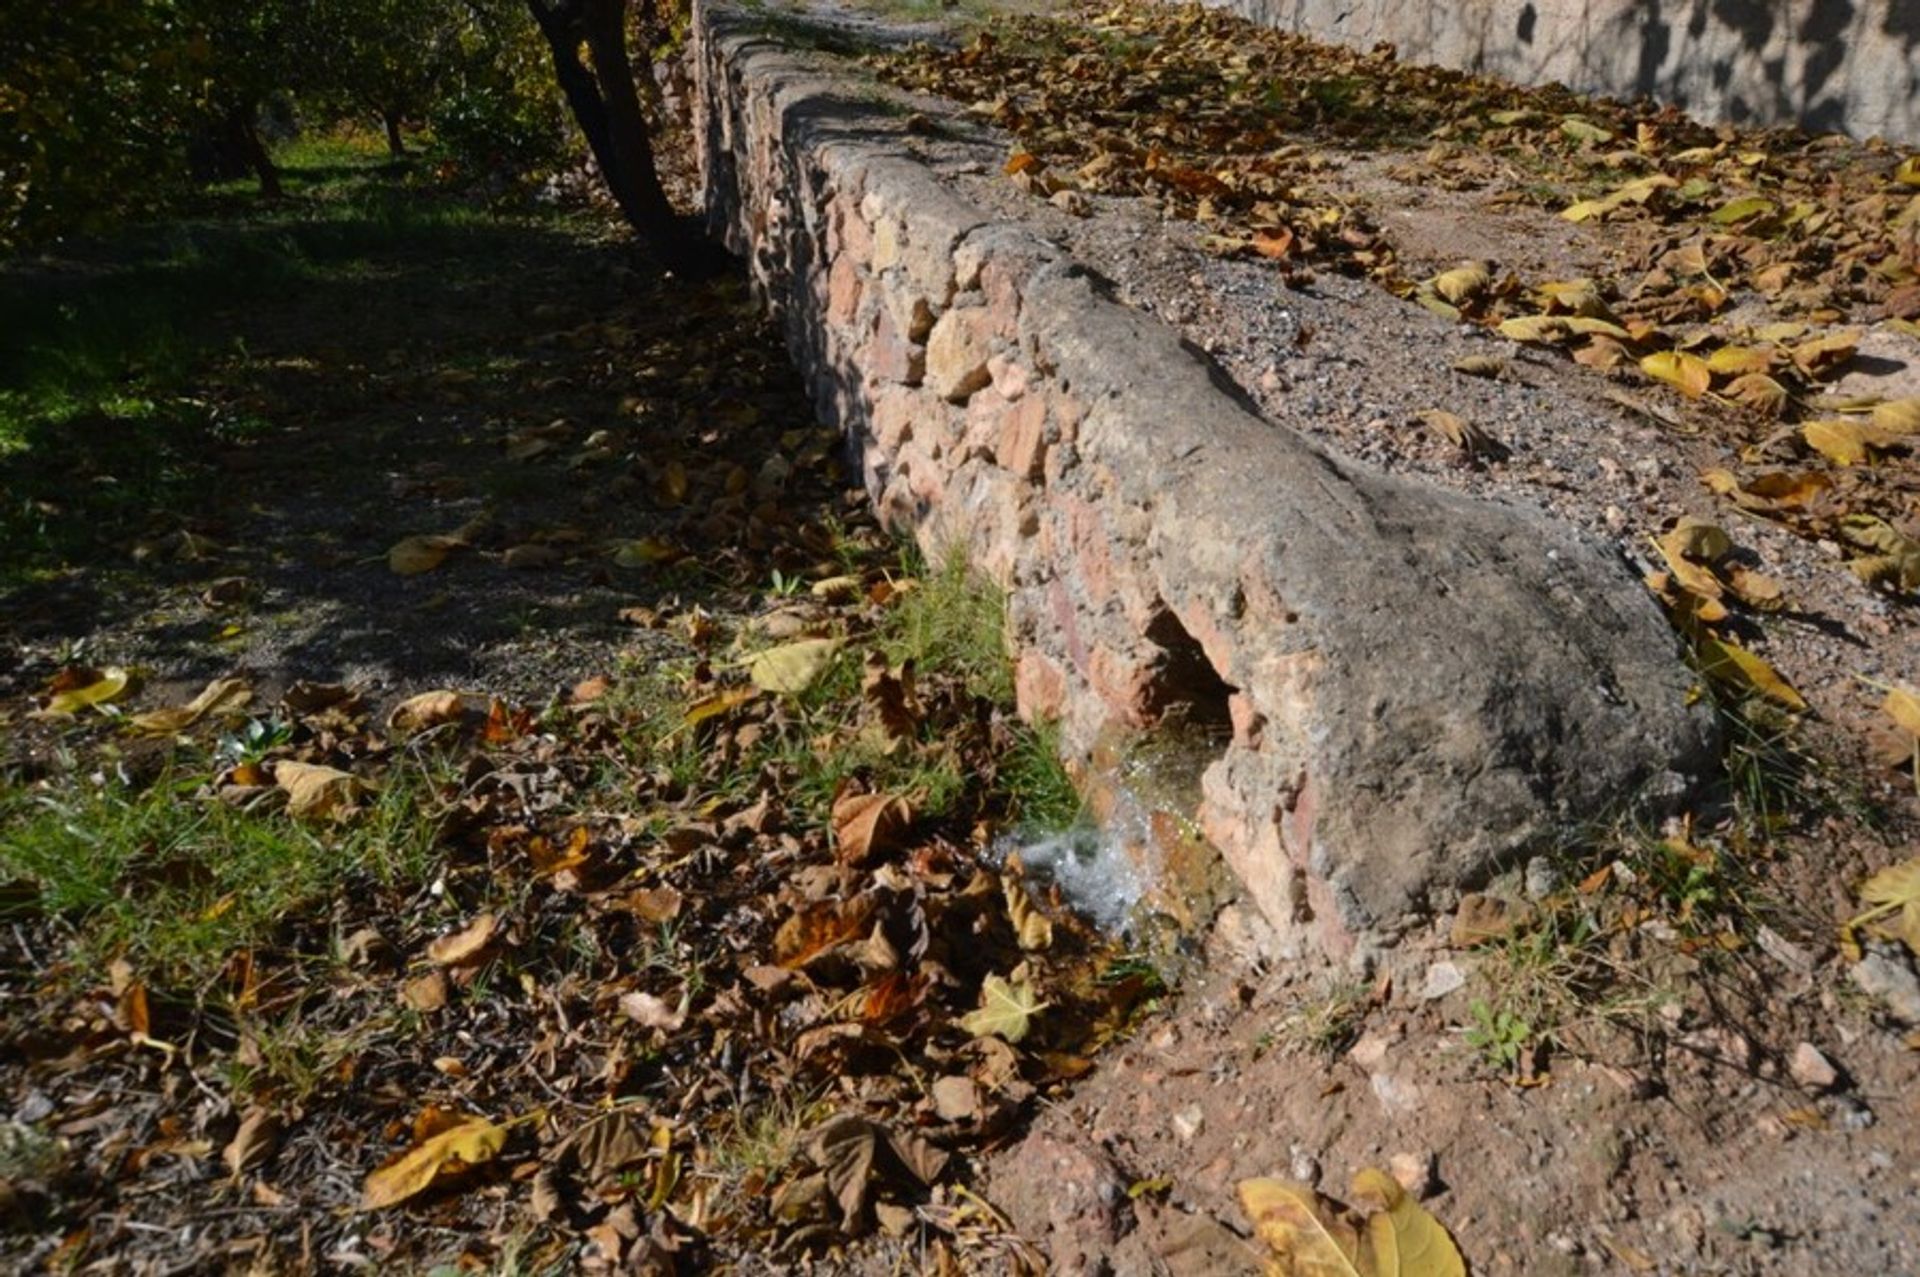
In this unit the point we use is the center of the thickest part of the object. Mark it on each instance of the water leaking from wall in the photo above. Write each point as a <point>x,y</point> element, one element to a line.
<point>1134,863</point>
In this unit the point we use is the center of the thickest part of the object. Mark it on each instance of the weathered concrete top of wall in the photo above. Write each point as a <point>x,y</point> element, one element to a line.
<point>1403,688</point>
<point>1850,66</point>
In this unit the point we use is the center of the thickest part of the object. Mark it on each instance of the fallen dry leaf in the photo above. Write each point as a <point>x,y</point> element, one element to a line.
<point>792,668</point>
<point>254,1143</point>
<point>425,710</point>
<point>1894,890</point>
<point>1686,373</point>
<point>1006,1009</point>
<point>413,555</point>
<point>470,1142</point>
<point>868,825</point>
<point>466,944</point>
<point>315,791</point>
<point>218,696</point>
<point>97,689</point>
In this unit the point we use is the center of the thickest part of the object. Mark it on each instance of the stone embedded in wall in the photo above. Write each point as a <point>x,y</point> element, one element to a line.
<point>957,353</point>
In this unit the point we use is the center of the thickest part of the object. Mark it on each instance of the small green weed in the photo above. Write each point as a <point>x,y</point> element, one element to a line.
<point>1499,1035</point>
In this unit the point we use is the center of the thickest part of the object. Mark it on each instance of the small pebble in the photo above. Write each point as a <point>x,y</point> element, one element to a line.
<point>1543,878</point>
<point>1416,1173</point>
<point>1811,1069</point>
<point>1188,1122</point>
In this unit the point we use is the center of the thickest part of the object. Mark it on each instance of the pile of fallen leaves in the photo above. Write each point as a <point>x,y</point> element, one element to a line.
<point>664,997</point>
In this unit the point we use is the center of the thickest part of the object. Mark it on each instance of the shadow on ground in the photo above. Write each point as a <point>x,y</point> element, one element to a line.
<point>212,433</point>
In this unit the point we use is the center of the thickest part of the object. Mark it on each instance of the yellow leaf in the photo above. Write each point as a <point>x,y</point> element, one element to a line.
<point>1307,1235</point>
<point>414,555</point>
<point>1581,129</point>
<point>1728,662</point>
<point>1908,174</point>
<point>470,1143</point>
<point>1030,923</point>
<point>1545,330</point>
<point>1895,890</point>
<point>1403,1240</point>
<point>1746,208</point>
<point>1696,539</point>
<point>1756,589</point>
<point>1006,1009</point>
<point>836,587</point>
<point>1467,280</point>
<point>1900,416</point>
<point>792,667</point>
<point>1688,374</point>
<point>1759,392</point>
<point>220,694</point>
<point>1896,560</point>
<point>313,790</point>
<point>718,703</point>
<point>1903,707</point>
<point>1575,296</point>
<point>1594,325</point>
<point>1839,441</point>
<point>1825,354</point>
<point>671,487</point>
<point>111,683</point>
<point>1587,210</point>
<point>1732,360</point>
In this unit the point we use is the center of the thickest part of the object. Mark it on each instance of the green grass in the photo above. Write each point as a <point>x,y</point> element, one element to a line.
<point>948,626</point>
<point>175,880</point>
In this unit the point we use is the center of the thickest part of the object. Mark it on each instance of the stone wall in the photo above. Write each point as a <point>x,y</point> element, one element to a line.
<point>1850,66</point>
<point>1407,688</point>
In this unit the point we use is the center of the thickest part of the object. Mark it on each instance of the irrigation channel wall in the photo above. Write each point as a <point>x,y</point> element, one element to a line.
<point>1404,689</point>
<point>1849,66</point>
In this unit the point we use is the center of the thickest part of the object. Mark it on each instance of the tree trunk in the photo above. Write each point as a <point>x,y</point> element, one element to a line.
<point>606,105</point>
<point>396,147</point>
<point>606,28</point>
<point>245,140</point>
<point>560,24</point>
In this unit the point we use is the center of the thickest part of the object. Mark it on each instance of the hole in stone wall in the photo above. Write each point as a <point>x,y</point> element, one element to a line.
<point>1186,688</point>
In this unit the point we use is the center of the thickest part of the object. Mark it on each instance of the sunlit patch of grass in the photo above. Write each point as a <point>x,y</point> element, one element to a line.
<point>953,622</point>
<point>175,880</point>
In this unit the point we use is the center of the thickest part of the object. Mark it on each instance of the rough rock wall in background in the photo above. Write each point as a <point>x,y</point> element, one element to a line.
<point>1849,66</point>
<point>1408,687</point>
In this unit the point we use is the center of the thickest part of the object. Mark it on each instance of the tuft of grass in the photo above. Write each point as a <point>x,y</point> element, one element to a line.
<point>1324,1023</point>
<point>175,880</point>
<point>1038,785</point>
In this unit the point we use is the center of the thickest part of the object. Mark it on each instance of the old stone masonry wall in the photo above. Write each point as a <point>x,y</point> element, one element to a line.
<point>1408,688</point>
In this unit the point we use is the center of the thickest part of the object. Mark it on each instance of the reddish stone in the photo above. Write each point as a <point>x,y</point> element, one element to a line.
<point>1127,682</point>
<point>1021,444</point>
<point>892,417</point>
<point>843,291</point>
<point>1039,687</point>
<point>889,356</point>
<point>856,238</point>
<point>986,412</point>
<point>1000,280</point>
